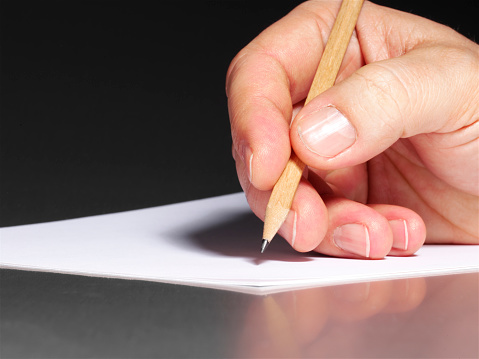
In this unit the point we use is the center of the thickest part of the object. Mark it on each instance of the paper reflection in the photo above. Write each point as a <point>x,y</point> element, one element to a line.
<point>365,319</point>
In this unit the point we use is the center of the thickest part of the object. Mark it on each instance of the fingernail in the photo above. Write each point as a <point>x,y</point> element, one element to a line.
<point>326,132</point>
<point>289,226</point>
<point>250,167</point>
<point>246,155</point>
<point>353,238</point>
<point>400,233</point>
<point>293,238</point>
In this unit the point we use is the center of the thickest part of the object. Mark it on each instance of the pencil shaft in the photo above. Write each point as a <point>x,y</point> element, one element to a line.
<point>336,47</point>
<point>282,197</point>
<point>284,190</point>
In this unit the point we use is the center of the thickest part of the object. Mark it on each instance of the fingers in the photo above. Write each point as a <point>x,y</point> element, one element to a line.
<point>407,228</point>
<point>420,83</point>
<point>307,222</point>
<point>370,232</point>
<point>355,231</point>
<point>349,182</point>
<point>431,89</point>
<point>260,116</point>
<point>340,227</point>
<point>270,75</point>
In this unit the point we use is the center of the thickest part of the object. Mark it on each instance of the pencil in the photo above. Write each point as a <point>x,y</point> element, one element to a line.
<point>284,190</point>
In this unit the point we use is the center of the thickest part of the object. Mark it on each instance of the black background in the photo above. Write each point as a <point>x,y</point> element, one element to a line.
<point>115,105</point>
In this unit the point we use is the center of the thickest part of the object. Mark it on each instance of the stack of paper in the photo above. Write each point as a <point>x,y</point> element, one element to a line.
<point>213,242</point>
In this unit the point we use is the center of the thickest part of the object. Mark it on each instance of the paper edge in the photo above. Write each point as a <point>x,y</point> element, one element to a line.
<point>256,290</point>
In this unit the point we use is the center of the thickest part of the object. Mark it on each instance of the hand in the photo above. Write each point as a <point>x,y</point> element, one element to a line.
<point>391,149</point>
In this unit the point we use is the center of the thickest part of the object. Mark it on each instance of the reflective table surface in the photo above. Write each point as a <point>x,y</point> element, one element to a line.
<point>64,316</point>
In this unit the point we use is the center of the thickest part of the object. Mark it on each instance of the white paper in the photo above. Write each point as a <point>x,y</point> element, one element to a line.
<point>213,242</point>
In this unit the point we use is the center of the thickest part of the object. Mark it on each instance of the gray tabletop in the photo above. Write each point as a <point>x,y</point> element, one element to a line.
<point>46,315</point>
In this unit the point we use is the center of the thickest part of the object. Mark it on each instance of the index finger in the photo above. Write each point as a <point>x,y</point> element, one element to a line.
<point>266,78</point>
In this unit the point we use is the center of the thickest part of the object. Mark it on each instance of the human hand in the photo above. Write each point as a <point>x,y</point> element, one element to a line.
<point>391,149</point>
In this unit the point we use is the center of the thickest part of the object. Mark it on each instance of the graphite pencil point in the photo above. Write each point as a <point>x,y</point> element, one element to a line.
<point>264,244</point>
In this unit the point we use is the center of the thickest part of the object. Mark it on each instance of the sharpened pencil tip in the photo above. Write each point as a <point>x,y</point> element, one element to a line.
<point>264,244</point>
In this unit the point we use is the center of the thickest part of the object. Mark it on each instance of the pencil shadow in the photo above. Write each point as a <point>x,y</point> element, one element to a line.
<point>239,235</point>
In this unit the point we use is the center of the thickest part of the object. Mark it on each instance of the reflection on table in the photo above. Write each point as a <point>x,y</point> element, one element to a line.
<point>417,317</point>
<point>55,315</point>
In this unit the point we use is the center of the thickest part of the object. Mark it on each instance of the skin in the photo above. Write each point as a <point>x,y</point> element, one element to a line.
<point>409,88</point>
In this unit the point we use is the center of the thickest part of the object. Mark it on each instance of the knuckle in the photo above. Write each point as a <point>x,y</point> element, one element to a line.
<point>388,91</point>
<point>460,73</point>
<point>233,69</point>
<point>467,61</point>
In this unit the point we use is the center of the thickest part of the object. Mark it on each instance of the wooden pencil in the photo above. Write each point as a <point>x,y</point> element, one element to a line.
<point>284,190</point>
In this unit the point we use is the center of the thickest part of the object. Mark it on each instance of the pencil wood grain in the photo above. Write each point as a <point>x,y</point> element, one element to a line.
<point>284,190</point>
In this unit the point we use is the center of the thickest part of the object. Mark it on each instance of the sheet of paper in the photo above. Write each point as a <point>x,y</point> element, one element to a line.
<point>213,242</point>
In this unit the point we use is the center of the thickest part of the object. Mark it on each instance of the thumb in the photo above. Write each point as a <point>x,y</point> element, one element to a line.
<point>431,89</point>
